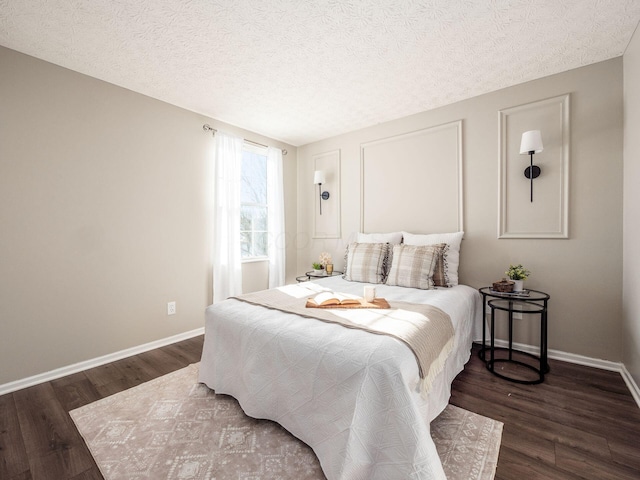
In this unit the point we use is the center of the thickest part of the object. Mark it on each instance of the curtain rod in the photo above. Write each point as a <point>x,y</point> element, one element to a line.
<point>208,128</point>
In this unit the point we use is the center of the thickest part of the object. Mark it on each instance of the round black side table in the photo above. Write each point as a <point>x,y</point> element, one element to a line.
<point>530,302</point>
<point>311,274</point>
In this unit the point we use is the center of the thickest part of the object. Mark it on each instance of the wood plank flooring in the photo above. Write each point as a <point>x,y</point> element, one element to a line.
<point>581,423</point>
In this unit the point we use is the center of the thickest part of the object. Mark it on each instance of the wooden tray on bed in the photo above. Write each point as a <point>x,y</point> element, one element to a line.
<point>377,303</point>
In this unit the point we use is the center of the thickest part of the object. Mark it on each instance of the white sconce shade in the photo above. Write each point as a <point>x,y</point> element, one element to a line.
<point>531,142</point>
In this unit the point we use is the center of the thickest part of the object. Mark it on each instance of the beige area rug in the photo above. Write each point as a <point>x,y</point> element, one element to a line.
<point>175,428</point>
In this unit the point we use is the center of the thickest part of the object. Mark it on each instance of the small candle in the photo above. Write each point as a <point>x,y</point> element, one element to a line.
<point>369,293</point>
<point>329,268</point>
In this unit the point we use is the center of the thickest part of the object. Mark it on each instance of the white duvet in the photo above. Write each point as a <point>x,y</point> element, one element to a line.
<point>351,395</point>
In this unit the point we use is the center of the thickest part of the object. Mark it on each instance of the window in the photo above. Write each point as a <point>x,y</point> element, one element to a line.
<point>254,210</point>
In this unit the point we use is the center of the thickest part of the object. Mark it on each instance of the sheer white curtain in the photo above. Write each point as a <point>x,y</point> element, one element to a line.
<point>275,194</point>
<point>227,257</point>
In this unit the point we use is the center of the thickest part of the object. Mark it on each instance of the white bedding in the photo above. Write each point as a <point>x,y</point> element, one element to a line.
<point>351,395</point>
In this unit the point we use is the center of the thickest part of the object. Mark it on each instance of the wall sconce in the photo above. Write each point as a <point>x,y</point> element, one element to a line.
<point>531,143</point>
<point>319,179</point>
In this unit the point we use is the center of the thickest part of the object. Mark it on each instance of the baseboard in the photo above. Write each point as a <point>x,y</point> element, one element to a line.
<point>95,362</point>
<point>112,357</point>
<point>581,360</point>
<point>631,384</point>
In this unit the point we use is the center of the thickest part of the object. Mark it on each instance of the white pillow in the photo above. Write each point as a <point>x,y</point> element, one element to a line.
<point>452,256</point>
<point>392,238</point>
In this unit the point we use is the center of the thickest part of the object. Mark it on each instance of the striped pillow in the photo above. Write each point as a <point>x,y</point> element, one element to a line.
<point>413,266</point>
<point>366,262</point>
<point>452,255</point>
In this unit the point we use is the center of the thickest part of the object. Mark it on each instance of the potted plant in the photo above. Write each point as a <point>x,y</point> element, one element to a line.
<point>518,274</point>
<point>318,269</point>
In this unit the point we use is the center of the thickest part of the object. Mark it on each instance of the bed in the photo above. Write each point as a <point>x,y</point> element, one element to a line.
<point>355,397</point>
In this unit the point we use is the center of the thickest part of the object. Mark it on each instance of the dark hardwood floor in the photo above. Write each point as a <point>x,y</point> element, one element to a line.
<point>581,423</point>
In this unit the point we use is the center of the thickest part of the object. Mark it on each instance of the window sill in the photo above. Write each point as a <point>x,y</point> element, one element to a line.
<point>255,259</point>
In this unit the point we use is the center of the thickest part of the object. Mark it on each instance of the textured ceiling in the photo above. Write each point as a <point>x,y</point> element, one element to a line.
<point>303,70</point>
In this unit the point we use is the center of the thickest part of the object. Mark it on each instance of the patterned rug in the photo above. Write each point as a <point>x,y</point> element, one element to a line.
<point>175,428</point>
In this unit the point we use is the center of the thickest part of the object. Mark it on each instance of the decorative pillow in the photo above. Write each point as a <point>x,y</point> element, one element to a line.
<point>413,266</point>
<point>392,238</point>
<point>439,273</point>
<point>366,262</point>
<point>451,257</point>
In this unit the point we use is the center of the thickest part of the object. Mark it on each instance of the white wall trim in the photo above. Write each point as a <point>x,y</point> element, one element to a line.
<point>374,157</point>
<point>552,116</point>
<point>95,362</point>
<point>328,225</point>
<point>112,357</point>
<point>581,360</point>
<point>631,384</point>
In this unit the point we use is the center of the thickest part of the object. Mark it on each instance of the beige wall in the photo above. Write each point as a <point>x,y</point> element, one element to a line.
<point>631,273</point>
<point>103,217</point>
<point>583,274</point>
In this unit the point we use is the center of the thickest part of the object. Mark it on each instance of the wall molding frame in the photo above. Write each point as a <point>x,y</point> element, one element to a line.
<point>548,215</point>
<point>328,224</point>
<point>434,157</point>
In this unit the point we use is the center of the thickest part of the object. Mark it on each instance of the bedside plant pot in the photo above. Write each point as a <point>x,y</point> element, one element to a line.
<point>518,285</point>
<point>318,272</point>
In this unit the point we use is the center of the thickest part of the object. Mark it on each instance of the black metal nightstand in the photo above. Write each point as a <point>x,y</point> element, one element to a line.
<point>311,275</point>
<point>530,302</point>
